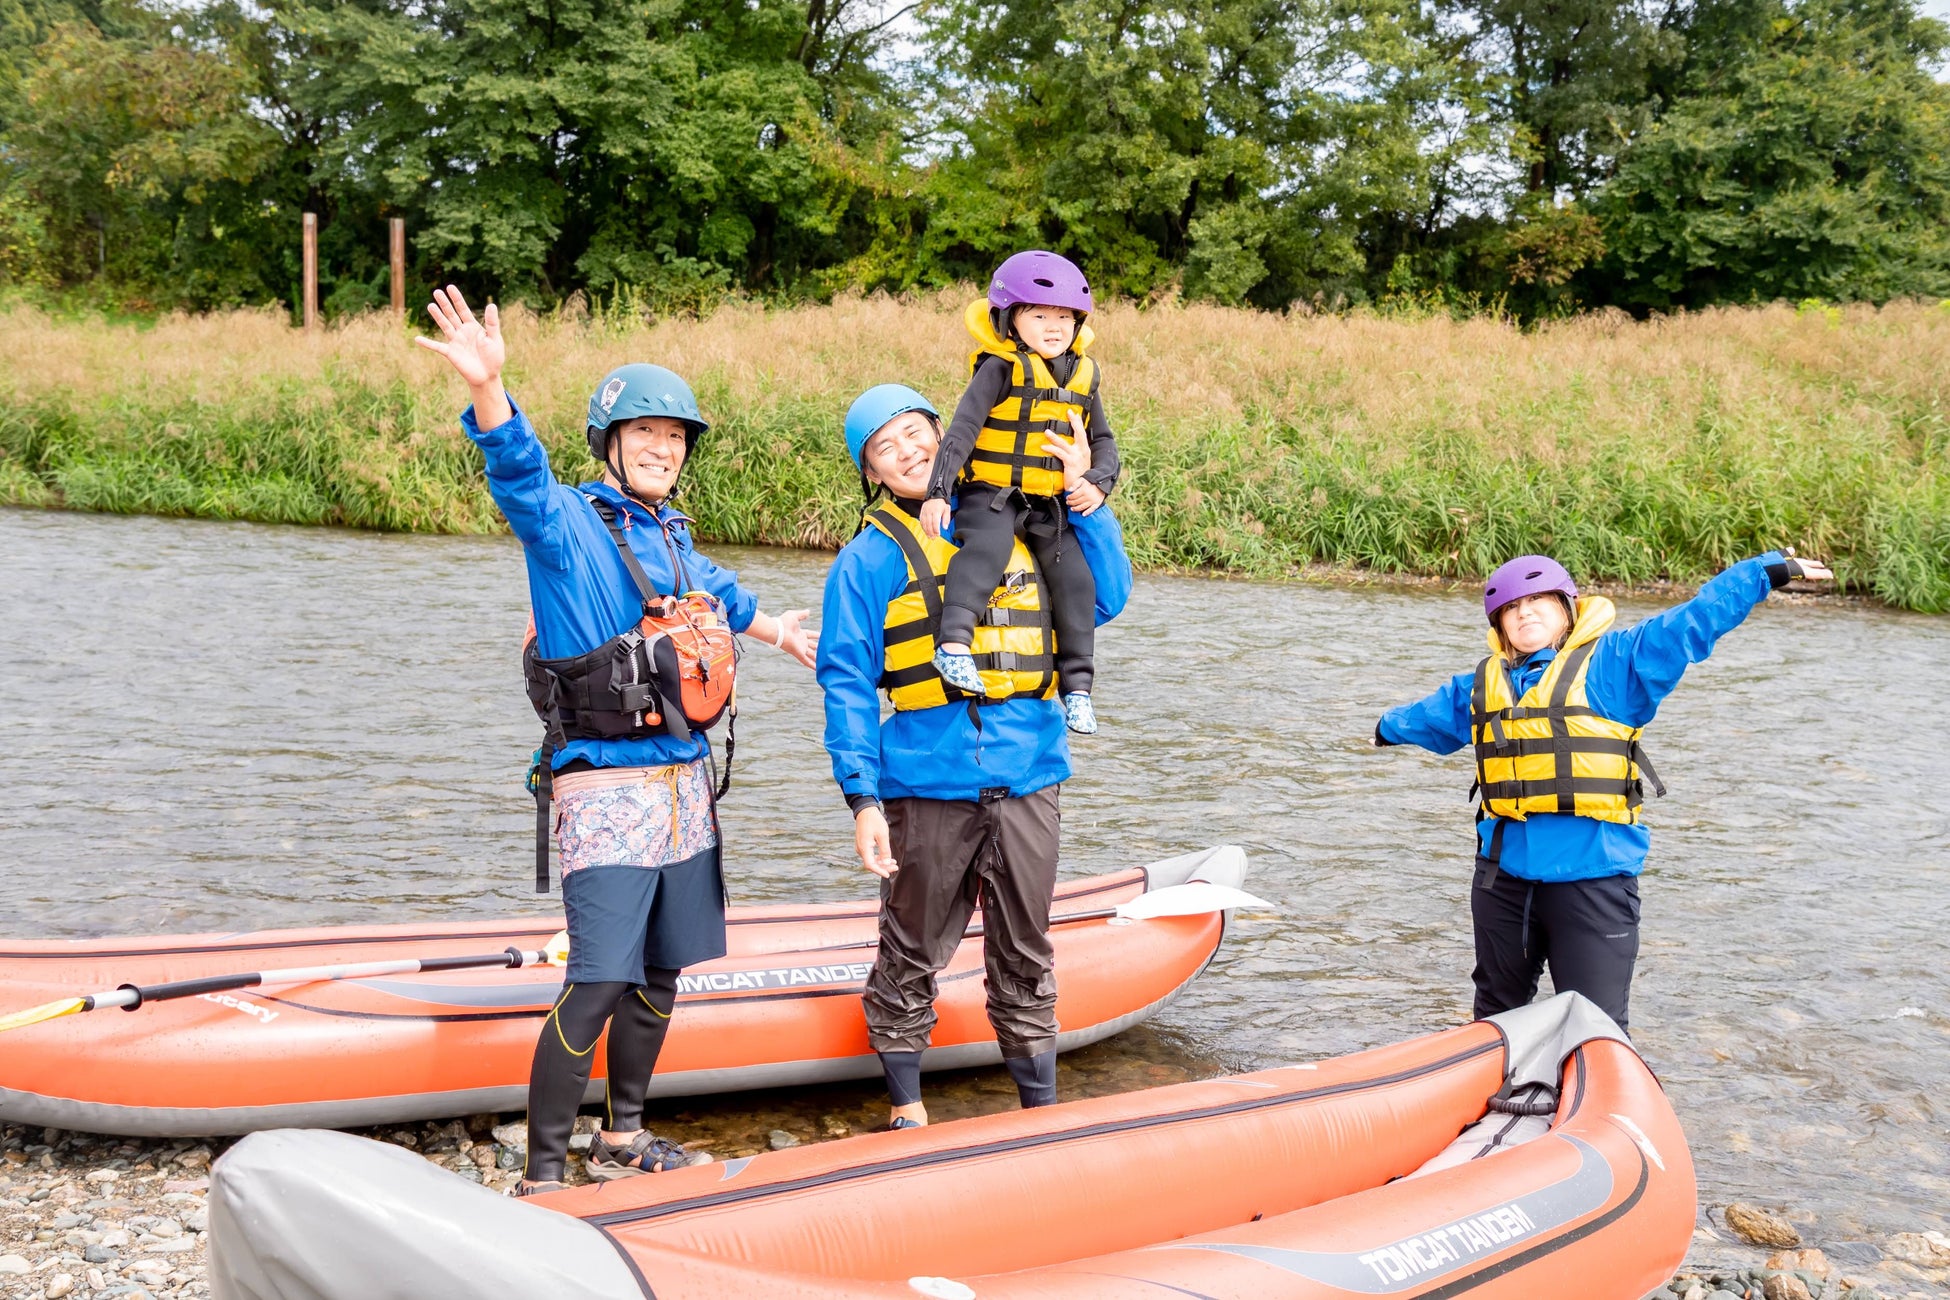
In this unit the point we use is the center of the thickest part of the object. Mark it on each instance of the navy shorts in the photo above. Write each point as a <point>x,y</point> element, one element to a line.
<point>623,919</point>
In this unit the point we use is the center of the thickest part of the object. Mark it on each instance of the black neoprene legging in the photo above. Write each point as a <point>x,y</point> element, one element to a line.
<point>567,1048</point>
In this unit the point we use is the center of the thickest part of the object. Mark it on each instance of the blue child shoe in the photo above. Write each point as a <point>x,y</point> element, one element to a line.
<point>959,672</point>
<point>1079,714</point>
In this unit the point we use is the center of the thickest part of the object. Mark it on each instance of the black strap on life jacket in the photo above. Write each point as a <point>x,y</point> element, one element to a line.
<point>1563,747</point>
<point>929,626</point>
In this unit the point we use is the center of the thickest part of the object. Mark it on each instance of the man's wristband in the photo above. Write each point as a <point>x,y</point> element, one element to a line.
<point>855,802</point>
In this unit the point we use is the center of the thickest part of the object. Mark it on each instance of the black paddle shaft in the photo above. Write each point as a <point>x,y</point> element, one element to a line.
<point>509,957</point>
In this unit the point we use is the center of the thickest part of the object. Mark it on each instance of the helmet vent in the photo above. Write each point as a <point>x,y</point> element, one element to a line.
<point>1534,574</point>
<point>1047,284</point>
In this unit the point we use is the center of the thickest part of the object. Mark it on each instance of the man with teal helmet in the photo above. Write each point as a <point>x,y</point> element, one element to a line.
<point>634,827</point>
<point>953,796</point>
<point>640,389</point>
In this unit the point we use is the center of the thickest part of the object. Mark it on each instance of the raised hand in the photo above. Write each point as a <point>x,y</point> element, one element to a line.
<point>476,351</point>
<point>934,517</point>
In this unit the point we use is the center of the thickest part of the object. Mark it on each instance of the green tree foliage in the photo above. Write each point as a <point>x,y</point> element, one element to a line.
<point>126,147</point>
<point>670,144</point>
<point>1238,146</point>
<point>1571,78</point>
<point>1532,156</point>
<point>1806,154</point>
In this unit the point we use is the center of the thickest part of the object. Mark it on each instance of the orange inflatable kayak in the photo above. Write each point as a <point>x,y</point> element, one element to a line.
<point>1529,1155</point>
<point>783,1008</point>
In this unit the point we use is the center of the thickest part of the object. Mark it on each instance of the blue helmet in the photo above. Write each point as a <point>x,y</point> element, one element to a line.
<point>640,389</point>
<point>874,408</point>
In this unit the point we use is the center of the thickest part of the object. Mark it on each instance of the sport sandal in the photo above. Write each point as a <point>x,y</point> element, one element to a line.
<point>1079,714</point>
<point>644,1154</point>
<point>959,672</point>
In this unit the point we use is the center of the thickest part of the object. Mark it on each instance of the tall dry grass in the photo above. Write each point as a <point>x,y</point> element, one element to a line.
<point>1253,443</point>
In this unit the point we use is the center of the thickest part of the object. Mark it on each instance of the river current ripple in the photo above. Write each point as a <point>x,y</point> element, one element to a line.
<point>222,726</point>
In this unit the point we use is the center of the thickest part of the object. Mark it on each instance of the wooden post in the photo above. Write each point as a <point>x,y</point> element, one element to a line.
<point>311,270</point>
<point>397,230</point>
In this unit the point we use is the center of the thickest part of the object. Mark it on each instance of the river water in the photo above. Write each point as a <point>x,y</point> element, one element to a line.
<point>225,725</point>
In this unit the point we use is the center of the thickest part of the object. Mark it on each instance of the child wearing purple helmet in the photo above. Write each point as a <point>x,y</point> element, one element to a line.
<point>1554,715</point>
<point>1032,386</point>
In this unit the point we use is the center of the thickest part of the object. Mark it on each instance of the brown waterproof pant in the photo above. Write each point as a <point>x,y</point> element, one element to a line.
<point>952,854</point>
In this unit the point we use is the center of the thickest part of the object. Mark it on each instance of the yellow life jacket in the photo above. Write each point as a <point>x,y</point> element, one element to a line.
<point>1036,409</point>
<point>1014,644</point>
<point>1549,752</point>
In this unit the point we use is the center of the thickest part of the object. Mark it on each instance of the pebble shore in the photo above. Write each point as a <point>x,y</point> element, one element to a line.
<point>94,1217</point>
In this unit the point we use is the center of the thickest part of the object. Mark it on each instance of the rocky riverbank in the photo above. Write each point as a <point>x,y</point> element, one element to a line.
<point>1748,1252</point>
<point>95,1217</point>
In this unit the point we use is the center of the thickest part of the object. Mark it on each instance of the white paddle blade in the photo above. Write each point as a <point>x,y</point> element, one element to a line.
<point>1192,899</point>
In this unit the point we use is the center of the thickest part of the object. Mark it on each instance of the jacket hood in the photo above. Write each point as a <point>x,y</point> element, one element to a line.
<point>982,328</point>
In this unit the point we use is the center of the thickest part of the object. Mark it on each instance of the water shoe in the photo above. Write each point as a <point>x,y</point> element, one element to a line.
<point>959,672</point>
<point>643,1154</point>
<point>1079,714</point>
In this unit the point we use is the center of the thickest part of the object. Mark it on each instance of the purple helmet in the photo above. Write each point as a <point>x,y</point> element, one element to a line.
<point>1041,278</point>
<point>1527,575</point>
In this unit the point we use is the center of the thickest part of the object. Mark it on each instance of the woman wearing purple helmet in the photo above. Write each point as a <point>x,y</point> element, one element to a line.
<point>1033,392</point>
<point>1554,715</point>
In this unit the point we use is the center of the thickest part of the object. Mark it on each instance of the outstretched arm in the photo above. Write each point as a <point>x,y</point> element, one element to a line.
<point>784,632</point>
<point>1635,668</point>
<point>1438,722</point>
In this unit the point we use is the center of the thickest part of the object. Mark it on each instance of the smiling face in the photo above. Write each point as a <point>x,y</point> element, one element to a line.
<point>652,448</point>
<point>1049,330</point>
<point>1530,623</point>
<point>900,455</point>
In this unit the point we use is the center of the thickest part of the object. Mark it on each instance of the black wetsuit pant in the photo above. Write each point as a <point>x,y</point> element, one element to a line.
<point>1586,931</point>
<point>567,1048</point>
<point>987,520</point>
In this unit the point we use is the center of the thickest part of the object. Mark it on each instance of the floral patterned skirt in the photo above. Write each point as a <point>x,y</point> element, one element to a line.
<point>633,816</point>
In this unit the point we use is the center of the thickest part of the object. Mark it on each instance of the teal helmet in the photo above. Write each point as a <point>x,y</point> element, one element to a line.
<point>640,389</point>
<point>874,408</point>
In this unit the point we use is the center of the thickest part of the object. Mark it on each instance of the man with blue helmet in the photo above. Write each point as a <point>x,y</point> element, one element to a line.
<point>954,794</point>
<point>635,827</point>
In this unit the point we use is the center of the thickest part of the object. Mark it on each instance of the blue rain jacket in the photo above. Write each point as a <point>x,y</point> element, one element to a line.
<point>937,753</point>
<point>578,586</point>
<point>1631,671</point>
